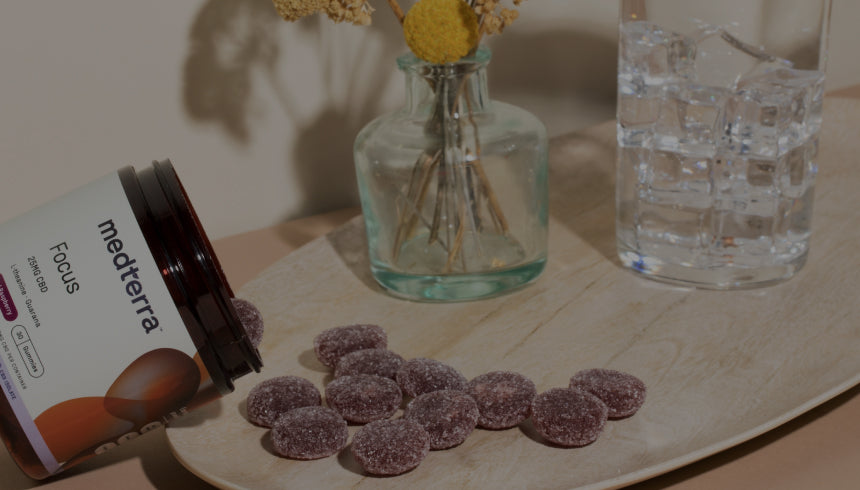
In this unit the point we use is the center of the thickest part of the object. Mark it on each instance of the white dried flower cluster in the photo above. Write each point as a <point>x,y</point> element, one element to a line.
<point>493,17</point>
<point>353,11</point>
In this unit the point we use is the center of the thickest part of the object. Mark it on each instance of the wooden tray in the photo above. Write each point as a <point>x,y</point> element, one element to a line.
<point>721,367</point>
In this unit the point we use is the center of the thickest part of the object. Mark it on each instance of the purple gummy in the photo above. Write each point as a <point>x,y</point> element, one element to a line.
<point>378,362</point>
<point>309,433</point>
<point>390,447</point>
<point>622,393</point>
<point>250,318</point>
<point>504,398</point>
<point>421,375</point>
<point>273,397</point>
<point>567,417</point>
<point>334,343</point>
<point>363,398</point>
<point>448,416</point>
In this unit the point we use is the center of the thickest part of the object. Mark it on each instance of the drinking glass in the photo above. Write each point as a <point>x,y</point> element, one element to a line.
<point>719,113</point>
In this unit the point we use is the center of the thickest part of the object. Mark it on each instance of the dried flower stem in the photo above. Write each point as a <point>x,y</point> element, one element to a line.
<point>398,12</point>
<point>441,198</point>
<point>462,185</point>
<point>458,239</point>
<point>463,190</point>
<point>419,182</point>
<point>495,207</point>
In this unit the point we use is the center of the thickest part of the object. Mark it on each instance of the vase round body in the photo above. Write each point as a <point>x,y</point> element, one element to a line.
<point>453,187</point>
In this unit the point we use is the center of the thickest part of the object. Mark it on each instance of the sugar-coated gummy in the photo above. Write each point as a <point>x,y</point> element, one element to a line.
<point>622,393</point>
<point>448,416</point>
<point>332,344</point>
<point>421,375</point>
<point>378,362</point>
<point>309,433</point>
<point>504,398</point>
<point>273,397</point>
<point>363,398</point>
<point>250,318</point>
<point>390,447</point>
<point>569,417</point>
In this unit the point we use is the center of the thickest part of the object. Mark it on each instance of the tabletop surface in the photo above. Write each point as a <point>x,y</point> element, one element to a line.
<point>818,447</point>
<point>721,366</point>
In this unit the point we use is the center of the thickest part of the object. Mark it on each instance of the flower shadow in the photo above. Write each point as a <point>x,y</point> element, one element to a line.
<point>238,51</point>
<point>227,42</point>
<point>328,80</point>
<point>323,162</point>
<point>570,83</point>
<point>582,189</point>
<point>571,87</point>
<point>322,156</point>
<point>350,243</point>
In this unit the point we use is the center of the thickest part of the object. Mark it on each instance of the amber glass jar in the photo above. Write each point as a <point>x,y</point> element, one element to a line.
<point>115,317</point>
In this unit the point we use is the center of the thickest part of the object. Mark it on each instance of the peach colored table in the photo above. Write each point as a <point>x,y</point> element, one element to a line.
<point>819,449</point>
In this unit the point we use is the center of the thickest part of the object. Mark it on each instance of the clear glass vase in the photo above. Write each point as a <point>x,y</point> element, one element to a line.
<point>453,187</point>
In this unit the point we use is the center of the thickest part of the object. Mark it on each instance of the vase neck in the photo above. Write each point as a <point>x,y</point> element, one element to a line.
<point>460,87</point>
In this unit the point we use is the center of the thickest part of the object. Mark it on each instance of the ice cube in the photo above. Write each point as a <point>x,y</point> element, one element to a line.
<point>650,58</point>
<point>797,219</point>
<point>746,185</point>
<point>773,112</point>
<point>636,116</point>
<point>632,168</point>
<point>762,173</point>
<point>671,224</point>
<point>664,172</point>
<point>677,178</point>
<point>792,225</point>
<point>741,236</point>
<point>742,225</point>
<point>746,211</point>
<point>804,88</point>
<point>797,169</point>
<point>654,55</point>
<point>719,64</point>
<point>722,59</point>
<point>690,119</point>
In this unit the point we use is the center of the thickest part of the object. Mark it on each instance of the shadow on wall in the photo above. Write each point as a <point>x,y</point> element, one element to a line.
<point>323,151</point>
<point>234,43</point>
<point>565,77</point>
<point>555,63</point>
<point>231,42</point>
<point>227,42</point>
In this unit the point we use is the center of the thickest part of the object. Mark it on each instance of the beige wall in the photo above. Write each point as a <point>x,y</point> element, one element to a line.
<point>259,115</point>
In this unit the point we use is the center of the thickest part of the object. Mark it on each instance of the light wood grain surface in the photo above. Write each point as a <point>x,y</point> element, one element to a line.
<point>722,367</point>
<point>818,449</point>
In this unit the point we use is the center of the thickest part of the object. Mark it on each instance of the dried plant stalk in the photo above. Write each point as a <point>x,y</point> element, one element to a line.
<point>422,174</point>
<point>398,12</point>
<point>462,188</point>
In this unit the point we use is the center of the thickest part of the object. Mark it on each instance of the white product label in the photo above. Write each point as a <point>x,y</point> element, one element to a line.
<point>88,329</point>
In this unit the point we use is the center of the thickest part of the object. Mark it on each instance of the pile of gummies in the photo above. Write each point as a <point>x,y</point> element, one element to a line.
<point>369,386</point>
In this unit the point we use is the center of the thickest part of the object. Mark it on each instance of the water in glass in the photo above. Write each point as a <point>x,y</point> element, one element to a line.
<point>717,143</point>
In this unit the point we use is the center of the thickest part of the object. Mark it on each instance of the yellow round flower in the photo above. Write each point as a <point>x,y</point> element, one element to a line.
<point>441,31</point>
